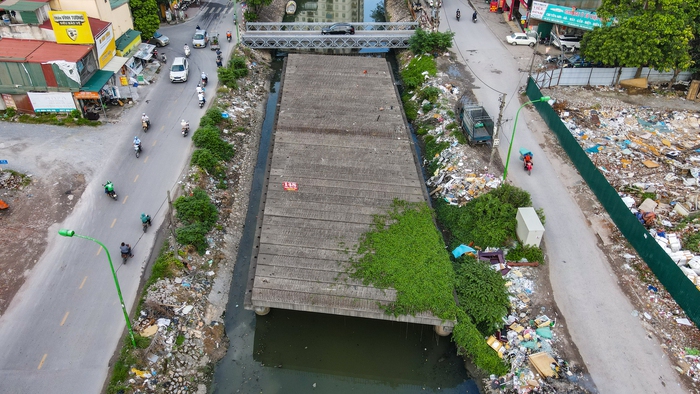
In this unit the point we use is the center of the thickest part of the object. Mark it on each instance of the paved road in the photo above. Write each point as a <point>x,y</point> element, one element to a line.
<point>613,344</point>
<point>62,327</point>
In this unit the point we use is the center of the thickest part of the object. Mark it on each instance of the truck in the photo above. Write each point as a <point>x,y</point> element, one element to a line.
<point>475,122</point>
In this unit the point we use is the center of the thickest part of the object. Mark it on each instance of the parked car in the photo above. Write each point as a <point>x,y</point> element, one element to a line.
<point>200,39</point>
<point>159,39</point>
<point>566,41</point>
<point>339,28</point>
<point>180,70</point>
<point>521,39</point>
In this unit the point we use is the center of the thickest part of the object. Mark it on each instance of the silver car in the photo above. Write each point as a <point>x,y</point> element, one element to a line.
<point>159,39</point>
<point>200,39</point>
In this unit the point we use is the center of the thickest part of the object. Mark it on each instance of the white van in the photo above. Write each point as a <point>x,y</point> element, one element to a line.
<point>180,70</point>
<point>565,42</point>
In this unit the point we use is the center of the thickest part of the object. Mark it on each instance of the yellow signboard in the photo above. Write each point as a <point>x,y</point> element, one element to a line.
<point>106,47</point>
<point>71,27</point>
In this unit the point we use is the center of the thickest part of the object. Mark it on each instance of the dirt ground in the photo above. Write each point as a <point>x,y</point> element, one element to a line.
<point>23,226</point>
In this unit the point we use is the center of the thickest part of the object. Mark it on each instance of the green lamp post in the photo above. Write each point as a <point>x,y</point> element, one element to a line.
<point>71,233</point>
<point>542,99</point>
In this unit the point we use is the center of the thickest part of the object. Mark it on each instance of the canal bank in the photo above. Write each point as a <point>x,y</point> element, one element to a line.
<point>288,351</point>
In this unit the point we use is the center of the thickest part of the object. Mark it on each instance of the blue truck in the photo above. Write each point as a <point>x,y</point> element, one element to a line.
<point>476,123</point>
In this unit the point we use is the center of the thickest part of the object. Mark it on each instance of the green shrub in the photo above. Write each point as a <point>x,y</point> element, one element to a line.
<point>208,137</point>
<point>482,294</point>
<point>485,220</point>
<point>430,93</point>
<point>471,342</point>
<point>427,107</point>
<point>530,253</point>
<point>412,75</point>
<point>76,114</point>
<point>234,70</point>
<point>411,110</point>
<point>433,148</point>
<point>512,195</point>
<point>193,234</point>
<point>180,340</point>
<point>165,266</point>
<point>196,208</point>
<point>205,160</point>
<point>10,112</point>
<point>211,118</point>
<point>430,42</point>
<point>141,342</point>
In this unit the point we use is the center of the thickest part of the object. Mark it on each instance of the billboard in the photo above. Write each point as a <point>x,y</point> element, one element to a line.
<point>106,47</point>
<point>52,102</point>
<point>71,27</point>
<point>566,16</point>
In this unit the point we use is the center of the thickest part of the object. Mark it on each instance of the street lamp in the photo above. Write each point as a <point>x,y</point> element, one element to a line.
<point>542,99</point>
<point>70,233</point>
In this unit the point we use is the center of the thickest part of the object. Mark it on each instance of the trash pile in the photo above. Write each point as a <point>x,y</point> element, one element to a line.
<point>11,180</point>
<point>527,340</point>
<point>460,174</point>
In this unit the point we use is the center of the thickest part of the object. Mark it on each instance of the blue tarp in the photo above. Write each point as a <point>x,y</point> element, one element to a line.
<point>462,249</point>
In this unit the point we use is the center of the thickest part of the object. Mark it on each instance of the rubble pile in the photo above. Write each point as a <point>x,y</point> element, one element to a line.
<point>461,175</point>
<point>10,180</point>
<point>182,315</point>
<point>528,342</point>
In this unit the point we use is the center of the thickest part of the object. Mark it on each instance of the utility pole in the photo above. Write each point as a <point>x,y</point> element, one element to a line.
<point>170,215</point>
<point>496,141</point>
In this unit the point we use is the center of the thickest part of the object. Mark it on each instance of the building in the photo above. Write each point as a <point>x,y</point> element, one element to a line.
<point>563,17</point>
<point>115,11</point>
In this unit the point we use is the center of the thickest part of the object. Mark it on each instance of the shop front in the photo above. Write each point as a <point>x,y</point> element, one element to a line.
<point>560,21</point>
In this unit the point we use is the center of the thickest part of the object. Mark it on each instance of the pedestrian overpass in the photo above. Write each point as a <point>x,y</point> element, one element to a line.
<point>297,35</point>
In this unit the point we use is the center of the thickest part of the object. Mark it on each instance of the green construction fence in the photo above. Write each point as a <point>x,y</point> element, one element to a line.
<point>669,274</point>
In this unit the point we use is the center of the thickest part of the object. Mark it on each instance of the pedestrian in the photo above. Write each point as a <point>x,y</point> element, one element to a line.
<point>197,28</point>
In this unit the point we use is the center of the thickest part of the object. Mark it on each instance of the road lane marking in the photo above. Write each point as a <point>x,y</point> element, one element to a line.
<point>42,361</point>
<point>146,159</point>
<point>64,318</point>
<point>113,223</point>
<point>137,177</point>
<point>171,112</point>
<point>162,127</point>
<point>154,143</point>
<point>124,202</point>
<point>83,282</point>
<point>98,251</point>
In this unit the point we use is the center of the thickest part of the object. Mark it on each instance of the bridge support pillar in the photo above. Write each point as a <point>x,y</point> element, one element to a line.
<point>262,310</point>
<point>443,331</point>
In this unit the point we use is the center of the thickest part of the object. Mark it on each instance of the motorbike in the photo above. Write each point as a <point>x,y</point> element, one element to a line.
<point>474,18</point>
<point>526,157</point>
<point>125,256</point>
<point>145,226</point>
<point>201,103</point>
<point>145,125</point>
<point>137,150</point>
<point>458,16</point>
<point>204,81</point>
<point>110,193</point>
<point>185,129</point>
<point>228,36</point>
<point>187,51</point>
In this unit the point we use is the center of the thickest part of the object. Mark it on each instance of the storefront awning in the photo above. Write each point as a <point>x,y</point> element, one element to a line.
<point>98,81</point>
<point>115,64</point>
<point>565,16</point>
<point>145,51</point>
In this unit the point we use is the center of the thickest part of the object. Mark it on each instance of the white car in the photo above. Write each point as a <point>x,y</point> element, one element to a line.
<point>521,39</point>
<point>180,70</point>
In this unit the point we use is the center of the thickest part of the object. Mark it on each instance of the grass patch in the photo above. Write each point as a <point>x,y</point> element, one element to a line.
<point>57,120</point>
<point>165,266</point>
<point>24,179</point>
<point>405,251</point>
<point>180,340</point>
<point>530,253</point>
<point>412,75</point>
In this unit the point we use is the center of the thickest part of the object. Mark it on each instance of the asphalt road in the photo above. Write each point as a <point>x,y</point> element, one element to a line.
<point>62,327</point>
<point>615,347</point>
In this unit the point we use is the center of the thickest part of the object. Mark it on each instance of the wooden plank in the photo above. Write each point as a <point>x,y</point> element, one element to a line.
<point>303,288</point>
<point>379,184</point>
<point>307,242</point>
<point>310,275</point>
<point>341,200</point>
<point>269,220</point>
<point>302,252</point>
<point>316,206</point>
<point>318,215</point>
<point>304,263</point>
<point>408,194</point>
<point>356,142</point>
<point>348,238</point>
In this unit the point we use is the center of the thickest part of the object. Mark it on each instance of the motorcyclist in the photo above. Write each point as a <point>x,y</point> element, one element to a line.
<point>458,14</point>
<point>144,118</point>
<point>200,89</point>
<point>205,79</point>
<point>201,98</point>
<point>474,16</point>
<point>109,187</point>
<point>145,219</point>
<point>137,142</point>
<point>197,28</point>
<point>219,62</point>
<point>125,249</point>
<point>185,124</point>
<point>527,162</point>
<point>187,49</point>
<point>228,35</point>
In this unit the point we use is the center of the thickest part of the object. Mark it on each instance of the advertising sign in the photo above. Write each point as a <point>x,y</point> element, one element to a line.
<point>565,16</point>
<point>9,101</point>
<point>87,95</point>
<point>71,27</point>
<point>106,48</point>
<point>52,102</point>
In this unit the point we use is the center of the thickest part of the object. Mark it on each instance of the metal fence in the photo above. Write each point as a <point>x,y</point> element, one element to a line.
<point>600,76</point>
<point>678,285</point>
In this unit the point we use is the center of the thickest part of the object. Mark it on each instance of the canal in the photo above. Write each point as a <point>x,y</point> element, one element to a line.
<point>299,352</point>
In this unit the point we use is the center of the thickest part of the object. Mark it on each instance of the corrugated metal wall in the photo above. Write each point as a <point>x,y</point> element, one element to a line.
<point>681,288</point>
<point>601,76</point>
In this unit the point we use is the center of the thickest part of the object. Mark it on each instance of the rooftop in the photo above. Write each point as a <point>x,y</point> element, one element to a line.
<point>97,26</point>
<point>22,5</point>
<point>35,51</point>
<point>125,39</point>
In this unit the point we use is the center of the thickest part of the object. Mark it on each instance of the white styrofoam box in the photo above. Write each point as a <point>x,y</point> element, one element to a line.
<point>529,230</point>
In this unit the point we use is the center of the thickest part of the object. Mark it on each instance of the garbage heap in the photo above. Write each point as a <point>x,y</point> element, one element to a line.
<point>652,158</point>
<point>461,174</point>
<point>528,342</point>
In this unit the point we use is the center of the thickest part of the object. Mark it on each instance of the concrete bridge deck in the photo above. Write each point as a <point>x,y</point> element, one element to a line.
<point>341,136</point>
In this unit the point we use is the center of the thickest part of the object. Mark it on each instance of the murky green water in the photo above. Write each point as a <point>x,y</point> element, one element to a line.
<point>300,352</point>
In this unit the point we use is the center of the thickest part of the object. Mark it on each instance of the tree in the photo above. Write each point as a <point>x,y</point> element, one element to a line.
<point>145,15</point>
<point>257,5</point>
<point>653,33</point>
<point>430,42</point>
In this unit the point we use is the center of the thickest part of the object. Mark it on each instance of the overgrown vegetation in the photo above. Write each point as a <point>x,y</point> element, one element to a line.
<point>488,220</point>
<point>430,42</point>
<point>482,293</point>
<point>405,251</point>
<point>67,119</point>
<point>529,253</point>
<point>471,342</point>
<point>165,266</point>
<point>199,215</point>
<point>412,75</point>
<point>236,68</point>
